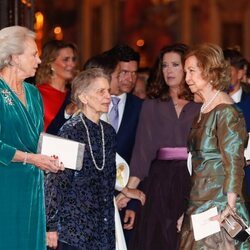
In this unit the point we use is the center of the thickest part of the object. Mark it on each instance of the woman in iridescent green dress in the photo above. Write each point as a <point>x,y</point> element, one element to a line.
<point>22,209</point>
<point>216,142</point>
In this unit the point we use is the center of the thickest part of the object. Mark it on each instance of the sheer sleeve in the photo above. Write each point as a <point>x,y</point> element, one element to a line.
<point>232,138</point>
<point>145,143</point>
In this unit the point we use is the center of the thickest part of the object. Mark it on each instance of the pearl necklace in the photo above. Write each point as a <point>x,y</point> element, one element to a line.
<point>205,106</point>
<point>90,146</point>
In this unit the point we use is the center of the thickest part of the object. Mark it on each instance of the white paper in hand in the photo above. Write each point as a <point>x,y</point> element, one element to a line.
<point>203,226</point>
<point>69,152</point>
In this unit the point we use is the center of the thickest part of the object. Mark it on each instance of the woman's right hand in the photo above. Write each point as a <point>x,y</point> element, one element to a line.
<point>71,108</point>
<point>52,239</point>
<point>44,162</point>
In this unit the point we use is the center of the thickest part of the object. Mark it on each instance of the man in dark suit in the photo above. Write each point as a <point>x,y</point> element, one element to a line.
<point>238,70</point>
<point>129,107</point>
<point>242,99</point>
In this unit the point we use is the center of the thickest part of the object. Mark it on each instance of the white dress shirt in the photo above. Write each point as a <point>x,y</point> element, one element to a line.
<point>237,95</point>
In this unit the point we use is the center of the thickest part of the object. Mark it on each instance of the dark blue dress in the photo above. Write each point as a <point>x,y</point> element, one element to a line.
<point>79,204</point>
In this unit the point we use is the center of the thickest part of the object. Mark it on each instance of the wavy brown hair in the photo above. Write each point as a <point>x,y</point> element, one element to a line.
<point>215,69</point>
<point>157,87</point>
<point>50,52</point>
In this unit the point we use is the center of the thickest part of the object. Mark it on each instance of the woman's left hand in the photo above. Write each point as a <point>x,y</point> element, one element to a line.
<point>121,201</point>
<point>52,239</point>
<point>134,194</point>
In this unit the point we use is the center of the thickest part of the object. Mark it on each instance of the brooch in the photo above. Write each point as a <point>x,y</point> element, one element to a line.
<point>7,97</point>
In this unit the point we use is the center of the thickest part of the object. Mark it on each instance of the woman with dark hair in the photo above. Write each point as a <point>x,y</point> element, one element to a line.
<point>160,152</point>
<point>57,69</point>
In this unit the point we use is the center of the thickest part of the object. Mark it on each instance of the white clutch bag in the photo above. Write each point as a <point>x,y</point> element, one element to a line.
<point>70,152</point>
<point>122,173</point>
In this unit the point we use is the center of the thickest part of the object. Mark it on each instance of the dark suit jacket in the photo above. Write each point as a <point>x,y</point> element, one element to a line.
<point>126,135</point>
<point>244,105</point>
<point>59,120</point>
<point>127,130</point>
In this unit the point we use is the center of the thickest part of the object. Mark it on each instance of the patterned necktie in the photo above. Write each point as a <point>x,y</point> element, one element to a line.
<point>114,112</point>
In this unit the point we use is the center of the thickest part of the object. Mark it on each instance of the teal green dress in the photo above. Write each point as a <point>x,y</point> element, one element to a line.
<point>216,143</point>
<point>22,209</point>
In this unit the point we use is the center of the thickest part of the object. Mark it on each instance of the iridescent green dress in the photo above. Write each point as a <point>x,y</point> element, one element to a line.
<point>217,144</point>
<point>22,210</point>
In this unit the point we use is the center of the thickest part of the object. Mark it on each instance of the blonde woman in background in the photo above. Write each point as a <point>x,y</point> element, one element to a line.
<point>57,69</point>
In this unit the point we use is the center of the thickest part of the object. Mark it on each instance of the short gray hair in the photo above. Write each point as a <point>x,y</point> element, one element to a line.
<point>12,42</point>
<point>83,80</point>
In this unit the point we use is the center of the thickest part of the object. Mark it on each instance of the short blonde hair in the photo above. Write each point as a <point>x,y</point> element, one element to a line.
<point>215,69</point>
<point>83,80</point>
<point>12,43</point>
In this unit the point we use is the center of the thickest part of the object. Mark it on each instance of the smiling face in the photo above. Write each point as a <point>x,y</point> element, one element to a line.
<point>194,77</point>
<point>27,62</point>
<point>172,69</point>
<point>96,97</point>
<point>64,65</point>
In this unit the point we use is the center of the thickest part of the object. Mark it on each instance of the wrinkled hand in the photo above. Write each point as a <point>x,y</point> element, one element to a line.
<point>221,217</point>
<point>121,201</point>
<point>134,194</point>
<point>46,163</point>
<point>52,239</point>
<point>129,219</point>
<point>71,108</point>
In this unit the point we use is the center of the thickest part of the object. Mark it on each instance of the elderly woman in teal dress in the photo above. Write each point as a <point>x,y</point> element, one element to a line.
<point>22,210</point>
<point>216,142</point>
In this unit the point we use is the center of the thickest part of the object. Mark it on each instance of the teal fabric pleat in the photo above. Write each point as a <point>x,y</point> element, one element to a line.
<point>22,210</point>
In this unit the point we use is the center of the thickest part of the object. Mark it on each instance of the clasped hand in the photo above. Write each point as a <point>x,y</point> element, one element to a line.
<point>127,194</point>
<point>47,163</point>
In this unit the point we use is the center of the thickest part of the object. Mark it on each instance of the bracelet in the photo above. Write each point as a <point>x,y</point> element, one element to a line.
<point>25,158</point>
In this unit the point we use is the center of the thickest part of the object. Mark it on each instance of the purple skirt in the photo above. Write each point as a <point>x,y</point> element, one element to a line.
<point>167,189</point>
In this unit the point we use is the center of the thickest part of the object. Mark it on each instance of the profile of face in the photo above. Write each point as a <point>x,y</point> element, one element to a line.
<point>64,65</point>
<point>27,63</point>
<point>96,97</point>
<point>128,76</point>
<point>172,69</point>
<point>194,78</point>
<point>236,76</point>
